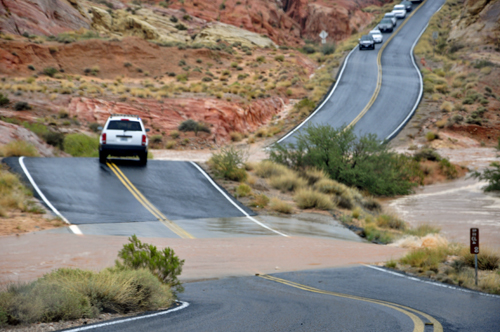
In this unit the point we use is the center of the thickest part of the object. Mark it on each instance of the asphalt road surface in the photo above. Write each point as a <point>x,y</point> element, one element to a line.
<point>343,299</point>
<point>399,89</point>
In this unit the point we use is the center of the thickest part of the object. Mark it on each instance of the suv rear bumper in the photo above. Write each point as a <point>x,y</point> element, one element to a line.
<point>122,150</point>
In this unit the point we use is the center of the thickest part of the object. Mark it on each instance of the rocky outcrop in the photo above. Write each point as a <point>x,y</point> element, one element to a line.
<point>223,117</point>
<point>40,17</point>
<point>230,34</point>
<point>11,132</point>
<point>478,23</point>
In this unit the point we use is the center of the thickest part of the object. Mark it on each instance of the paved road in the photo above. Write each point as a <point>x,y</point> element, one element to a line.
<point>342,299</point>
<point>399,89</point>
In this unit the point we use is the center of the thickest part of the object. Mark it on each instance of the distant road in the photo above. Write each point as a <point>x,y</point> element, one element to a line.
<point>395,95</point>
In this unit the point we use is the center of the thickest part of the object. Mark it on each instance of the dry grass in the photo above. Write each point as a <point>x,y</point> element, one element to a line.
<point>18,149</point>
<point>260,201</point>
<point>278,205</point>
<point>13,194</point>
<point>243,190</point>
<point>289,181</point>
<point>309,198</point>
<point>267,169</point>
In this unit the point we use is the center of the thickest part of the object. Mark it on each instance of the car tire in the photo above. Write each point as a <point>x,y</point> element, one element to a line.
<point>143,158</point>
<point>103,157</point>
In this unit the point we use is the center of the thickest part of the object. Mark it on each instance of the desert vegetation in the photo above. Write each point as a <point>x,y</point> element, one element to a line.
<point>143,279</point>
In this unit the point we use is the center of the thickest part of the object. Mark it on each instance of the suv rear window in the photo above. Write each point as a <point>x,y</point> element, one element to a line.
<point>124,125</point>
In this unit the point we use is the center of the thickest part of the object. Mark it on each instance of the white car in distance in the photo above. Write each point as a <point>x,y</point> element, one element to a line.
<point>392,17</point>
<point>399,11</point>
<point>377,36</point>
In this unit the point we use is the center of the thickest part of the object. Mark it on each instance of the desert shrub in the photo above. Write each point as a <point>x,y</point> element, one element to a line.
<point>228,163</point>
<point>448,169</point>
<point>260,201</point>
<point>279,58</point>
<point>423,230</point>
<point>430,136</point>
<point>328,49</point>
<point>191,125</point>
<point>50,71</point>
<point>180,26</point>
<point>3,100</point>
<point>278,205</point>
<point>309,198</point>
<point>68,294</point>
<point>290,181</point>
<point>267,169</point>
<point>329,186</point>
<point>371,204</point>
<point>446,106</point>
<point>54,138</point>
<point>156,139</point>
<point>313,175</point>
<point>243,190</point>
<point>174,134</point>
<point>363,162</point>
<point>94,126</point>
<point>492,175</point>
<point>18,148</point>
<point>38,128</point>
<point>487,259</point>
<point>164,264</point>
<point>356,213</point>
<point>81,145</point>
<point>170,145</point>
<point>22,106</point>
<point>308,49</point>
<point>426,258</point>
<point>388,221</point>
<point>236,136</point>
<point>427,154</point>
<point>373,234</point>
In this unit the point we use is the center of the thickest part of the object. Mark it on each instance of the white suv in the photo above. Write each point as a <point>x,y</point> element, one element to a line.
<point>124,135</point>
<point>399,11</point>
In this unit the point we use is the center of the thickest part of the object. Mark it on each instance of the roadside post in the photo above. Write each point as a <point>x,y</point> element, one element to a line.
<point>474,245</point>
<point>323,34</point>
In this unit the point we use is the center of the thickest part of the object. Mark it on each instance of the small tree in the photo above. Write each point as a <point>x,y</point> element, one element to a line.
<point>164,264</point>
<point>228,162</point>
<point>492,175</point>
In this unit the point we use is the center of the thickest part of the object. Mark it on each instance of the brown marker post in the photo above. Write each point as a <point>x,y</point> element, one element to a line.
<point>474,245</point>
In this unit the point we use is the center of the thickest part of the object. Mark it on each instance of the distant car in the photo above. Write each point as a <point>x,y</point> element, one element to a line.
<point>124,135</point>
<point>377,36</point>
<point>399,11</point>
<point>408,5</point>
<point>366,42</point>
<point>392,17</point>
<point>386,25</point>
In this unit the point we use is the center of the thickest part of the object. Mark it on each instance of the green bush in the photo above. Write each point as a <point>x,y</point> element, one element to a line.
<point>427,154</point>
<point>3,100</point>
<point>448,169</point>
<point>191,125</point>
<point>22,106</point>
<point>492,175</point>
<point>164,264</point>
<point>364,162</point>
<point>54,138</point>
<point>327,49</point>
<point>228,164</point>
<point>94,126</point>
<point>243,190</point>
<point>81,145</point>
<point>50,71</point>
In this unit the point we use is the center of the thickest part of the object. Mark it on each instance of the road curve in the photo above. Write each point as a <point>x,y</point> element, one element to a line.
<point>342,299</point>
<point>398,92</point>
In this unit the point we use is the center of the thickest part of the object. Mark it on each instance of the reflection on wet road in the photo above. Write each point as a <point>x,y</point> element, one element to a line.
<point>455,207</point>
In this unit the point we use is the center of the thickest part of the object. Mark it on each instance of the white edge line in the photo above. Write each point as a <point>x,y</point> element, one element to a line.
<point>324,101</point>
<point>431,282</point>
<point>232,202</point>
<point>420,94</point>
<point>73,228</point>
<point>184,305</point>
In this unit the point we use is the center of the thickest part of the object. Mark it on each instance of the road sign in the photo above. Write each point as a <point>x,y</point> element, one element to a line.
<point>474,240</point>
<point>323,34</point>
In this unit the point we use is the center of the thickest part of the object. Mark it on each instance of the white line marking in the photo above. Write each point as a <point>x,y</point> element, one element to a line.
<point>420,93</point>
<point>232,202</point>
<point>73,228</point>
<point>430,282</point>
<point>324,101</point>
<point>184,305</point>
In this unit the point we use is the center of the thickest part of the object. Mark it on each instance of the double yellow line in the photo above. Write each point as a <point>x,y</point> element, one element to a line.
<point>147,204</point>
<point>379,66</point>
<point>418,324</point>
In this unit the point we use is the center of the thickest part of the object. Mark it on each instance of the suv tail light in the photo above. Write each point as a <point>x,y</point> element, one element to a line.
<point>104,138</point>
<point>143,140</point>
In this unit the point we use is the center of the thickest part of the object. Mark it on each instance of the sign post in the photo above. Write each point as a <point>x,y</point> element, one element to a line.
<point>323,36</point>
<point>474,245</point>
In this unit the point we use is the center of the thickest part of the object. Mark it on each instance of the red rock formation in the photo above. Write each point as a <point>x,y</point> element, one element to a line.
<point>11,132</point>
<point>222,116</point>
<point>40,17</point>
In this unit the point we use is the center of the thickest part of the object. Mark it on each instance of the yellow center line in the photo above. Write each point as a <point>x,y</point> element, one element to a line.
<point>379,66</point>
<point>417,322</point>
<point>147,204</point>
